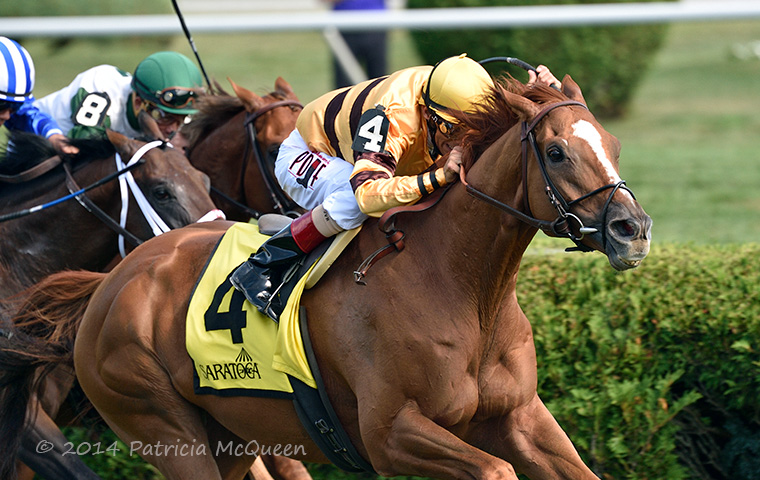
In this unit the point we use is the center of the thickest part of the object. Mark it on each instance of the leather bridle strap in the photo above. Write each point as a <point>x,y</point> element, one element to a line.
<point>90,206</point>
<point>34,172</point>
<point>282,204</point>
<point>561,225</point>
<point>387,224</point>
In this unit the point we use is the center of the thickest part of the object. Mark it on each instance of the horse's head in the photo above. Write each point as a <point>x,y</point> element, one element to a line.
<point>178,192</point>
<point>568,164</point>
<point>272,124</point>
<point>572,174</point>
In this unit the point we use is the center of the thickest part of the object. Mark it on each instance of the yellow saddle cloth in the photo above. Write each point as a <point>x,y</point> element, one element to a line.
<point>235,349</point>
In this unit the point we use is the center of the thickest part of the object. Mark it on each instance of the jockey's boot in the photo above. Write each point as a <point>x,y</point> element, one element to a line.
<point>261,275</point>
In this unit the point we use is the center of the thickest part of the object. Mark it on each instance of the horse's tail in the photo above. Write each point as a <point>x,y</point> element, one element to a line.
<point>41,335</point>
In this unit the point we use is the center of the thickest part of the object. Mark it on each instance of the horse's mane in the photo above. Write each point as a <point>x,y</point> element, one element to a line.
<point>26,150</point>
<point>494,115</point>
<point>213,111</point>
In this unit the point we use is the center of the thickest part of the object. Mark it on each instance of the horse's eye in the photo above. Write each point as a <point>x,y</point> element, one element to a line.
<point>161,193</point>
<point>555,154</point>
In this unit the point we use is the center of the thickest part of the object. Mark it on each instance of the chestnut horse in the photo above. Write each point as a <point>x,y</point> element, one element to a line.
<point>430,366</point>
<point>231,138</point>
<point>68,235</point>
<point>234,140</point>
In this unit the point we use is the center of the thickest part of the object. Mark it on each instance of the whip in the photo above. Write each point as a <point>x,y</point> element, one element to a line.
<point>192,43</point>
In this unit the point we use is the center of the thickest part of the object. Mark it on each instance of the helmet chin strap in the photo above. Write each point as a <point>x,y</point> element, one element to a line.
<point>433,149</point>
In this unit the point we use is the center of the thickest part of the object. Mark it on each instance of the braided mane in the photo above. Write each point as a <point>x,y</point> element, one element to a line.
<point>494,115</point>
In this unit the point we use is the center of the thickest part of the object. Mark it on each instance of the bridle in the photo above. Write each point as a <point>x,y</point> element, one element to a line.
<point>562,226</point>
<point>126,184</point>
<point>281,202</point>
<point>559,227</point>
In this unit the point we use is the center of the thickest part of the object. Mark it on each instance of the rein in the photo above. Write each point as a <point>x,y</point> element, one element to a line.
<point>282,203</point>
<point>387,224</point>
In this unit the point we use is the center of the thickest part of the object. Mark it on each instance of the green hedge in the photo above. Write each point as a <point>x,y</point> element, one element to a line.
<point>607,62</point>
<point>654,373</point>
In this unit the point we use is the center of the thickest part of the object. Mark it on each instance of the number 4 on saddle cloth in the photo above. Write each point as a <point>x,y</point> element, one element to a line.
<point>234,347</point>
<point>237,351</point>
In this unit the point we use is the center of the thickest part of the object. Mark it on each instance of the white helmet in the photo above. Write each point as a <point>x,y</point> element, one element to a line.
<point>16,71</point>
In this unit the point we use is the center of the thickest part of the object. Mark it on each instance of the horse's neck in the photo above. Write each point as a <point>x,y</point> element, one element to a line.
<point>60,236</point>
<point>481,243</point>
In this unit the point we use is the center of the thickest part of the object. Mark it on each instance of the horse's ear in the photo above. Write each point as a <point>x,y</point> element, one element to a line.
<point>572,90</point>
<point>251,101</point>
<point>524,108</point>
<point>284,87</point>
<point>123,145</point>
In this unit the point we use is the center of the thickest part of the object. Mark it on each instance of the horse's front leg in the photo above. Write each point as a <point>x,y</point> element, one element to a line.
<point>531,439</point>
<point>413,444</point>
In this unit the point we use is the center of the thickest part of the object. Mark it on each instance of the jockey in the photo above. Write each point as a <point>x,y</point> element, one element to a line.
<point>165,85</point>
<point>17,111</point>
<point>402,128</point>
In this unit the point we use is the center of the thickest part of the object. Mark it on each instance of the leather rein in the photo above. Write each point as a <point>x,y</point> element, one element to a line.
<point>560,227</point>
<point>281,202</point>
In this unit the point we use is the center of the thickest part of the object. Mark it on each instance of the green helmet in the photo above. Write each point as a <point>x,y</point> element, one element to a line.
<point>169,80</point>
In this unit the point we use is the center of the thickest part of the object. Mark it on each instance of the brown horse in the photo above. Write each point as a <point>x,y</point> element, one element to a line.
<point>230,138</point>
<point>430,366</point>
<point>69,235</point>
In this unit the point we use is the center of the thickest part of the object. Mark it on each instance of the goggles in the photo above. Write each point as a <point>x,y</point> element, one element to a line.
<point>163,118</point>
<point>446,128</point>
<point>176,97</point>
<point>172,97</point>
<point>8,105</point>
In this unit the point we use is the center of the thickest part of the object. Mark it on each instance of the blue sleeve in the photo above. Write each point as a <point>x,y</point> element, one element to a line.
<point>29,118</point>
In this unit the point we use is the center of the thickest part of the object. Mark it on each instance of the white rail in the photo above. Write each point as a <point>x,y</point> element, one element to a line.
<point>440,18</point>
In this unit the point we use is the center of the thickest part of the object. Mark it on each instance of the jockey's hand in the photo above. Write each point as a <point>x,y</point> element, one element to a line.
<point>453,165</point>
<point>544,76</point>
<point>61,144</point>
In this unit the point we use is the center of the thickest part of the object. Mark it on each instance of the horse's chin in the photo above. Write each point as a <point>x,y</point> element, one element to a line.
<point>625,257</point>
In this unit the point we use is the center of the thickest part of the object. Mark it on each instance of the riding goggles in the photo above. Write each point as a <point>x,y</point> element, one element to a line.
<point>164,118</point>
<point>176,97</point>
<point>446,128</point>
<point>170,97</point>
<point>12,106</point>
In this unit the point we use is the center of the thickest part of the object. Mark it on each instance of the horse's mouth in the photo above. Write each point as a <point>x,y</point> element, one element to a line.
<point>621,263</point>
<point>631,263</point>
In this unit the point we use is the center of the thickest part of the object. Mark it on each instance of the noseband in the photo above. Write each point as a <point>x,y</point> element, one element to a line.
<point>561,226</point>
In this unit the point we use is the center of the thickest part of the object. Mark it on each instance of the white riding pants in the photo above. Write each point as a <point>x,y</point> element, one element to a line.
<point>313,178</point>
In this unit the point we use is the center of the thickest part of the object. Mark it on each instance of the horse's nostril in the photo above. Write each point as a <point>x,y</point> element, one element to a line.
<point>624,228</point>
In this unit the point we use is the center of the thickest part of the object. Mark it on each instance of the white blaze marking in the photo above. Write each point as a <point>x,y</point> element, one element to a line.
<point>585,131</point>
